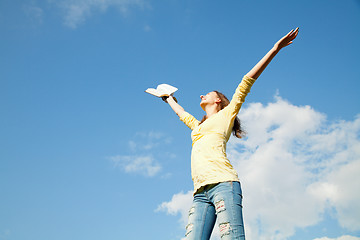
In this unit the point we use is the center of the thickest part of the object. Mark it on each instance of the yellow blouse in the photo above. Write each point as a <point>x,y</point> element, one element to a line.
<point>209,163</point>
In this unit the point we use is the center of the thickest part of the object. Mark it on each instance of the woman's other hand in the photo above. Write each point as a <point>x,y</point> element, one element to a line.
<point>286,40</point>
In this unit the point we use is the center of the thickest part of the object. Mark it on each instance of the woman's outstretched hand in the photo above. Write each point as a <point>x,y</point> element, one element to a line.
<point>256,71</point>
<point>287,39</point>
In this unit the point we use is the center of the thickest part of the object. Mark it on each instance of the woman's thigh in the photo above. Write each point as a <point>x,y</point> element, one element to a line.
<point>201,219</point>
<point>227,198</point>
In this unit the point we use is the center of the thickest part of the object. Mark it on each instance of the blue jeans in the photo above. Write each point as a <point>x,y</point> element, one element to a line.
<point>222,201</point>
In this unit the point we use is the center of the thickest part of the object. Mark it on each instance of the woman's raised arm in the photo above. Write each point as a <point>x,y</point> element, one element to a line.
<point>256,71</point>
<point>179,110</point>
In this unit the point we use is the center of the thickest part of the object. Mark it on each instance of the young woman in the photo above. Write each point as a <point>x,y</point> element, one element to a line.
<point>217,190</point>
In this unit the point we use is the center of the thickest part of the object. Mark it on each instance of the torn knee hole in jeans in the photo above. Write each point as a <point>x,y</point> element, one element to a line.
<point>220,206</point>
<point>192,210</point>
<point>224,229</point>
<point>189,228</point>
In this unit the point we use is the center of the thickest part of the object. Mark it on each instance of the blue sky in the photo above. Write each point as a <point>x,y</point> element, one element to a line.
<point>86,154</point>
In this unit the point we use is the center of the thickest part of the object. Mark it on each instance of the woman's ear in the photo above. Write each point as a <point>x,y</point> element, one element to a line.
<point>218,100</point>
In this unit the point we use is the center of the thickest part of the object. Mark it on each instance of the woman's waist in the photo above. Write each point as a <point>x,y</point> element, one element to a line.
<point>211,166</point>
<point>205,180</point>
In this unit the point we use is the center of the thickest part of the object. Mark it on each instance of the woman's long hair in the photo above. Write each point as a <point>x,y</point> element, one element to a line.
<point>236,130</point>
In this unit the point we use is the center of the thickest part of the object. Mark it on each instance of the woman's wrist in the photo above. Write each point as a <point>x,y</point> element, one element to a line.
<point>165,98</point>
<point>172,98</point>
<point>275,49</point>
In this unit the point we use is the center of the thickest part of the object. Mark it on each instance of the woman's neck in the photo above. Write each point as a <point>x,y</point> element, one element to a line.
<point>211,110</point>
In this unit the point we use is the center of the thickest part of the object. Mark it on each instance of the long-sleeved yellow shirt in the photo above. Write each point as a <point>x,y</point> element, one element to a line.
<point>209,163</point>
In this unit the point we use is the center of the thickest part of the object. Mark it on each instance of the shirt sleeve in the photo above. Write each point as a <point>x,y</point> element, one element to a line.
<point>189,120</point>
<point>239,96</point>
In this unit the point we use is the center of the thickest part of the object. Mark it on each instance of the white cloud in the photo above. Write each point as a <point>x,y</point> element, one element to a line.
<point>341,189</point>
<point>143,147</point>
<point>145,165</point>
<point>77,11</point>
<point>180,203</point>
<point>294,166</point>
<point>146,141</point>
<point>345,237</point>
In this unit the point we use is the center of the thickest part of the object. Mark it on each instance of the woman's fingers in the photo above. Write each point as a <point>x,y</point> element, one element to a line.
<point>293,33</point>
<point>287,39</point>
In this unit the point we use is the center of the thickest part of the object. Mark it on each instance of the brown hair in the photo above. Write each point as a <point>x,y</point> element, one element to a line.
<point>236,130</point>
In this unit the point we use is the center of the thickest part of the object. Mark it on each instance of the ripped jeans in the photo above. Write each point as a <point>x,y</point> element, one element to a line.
<point>222,201</point>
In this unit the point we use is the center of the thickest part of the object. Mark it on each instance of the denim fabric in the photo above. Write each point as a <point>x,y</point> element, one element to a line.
<point>222,201</point>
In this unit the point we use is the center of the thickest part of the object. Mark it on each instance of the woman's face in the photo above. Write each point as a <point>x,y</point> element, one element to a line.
<point>210,98</point>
